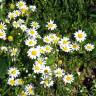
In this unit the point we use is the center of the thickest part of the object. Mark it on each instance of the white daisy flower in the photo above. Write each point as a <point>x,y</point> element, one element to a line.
<point>33,53</point>
<point>23,27</point>
<point>17,13</point>
<point>48,48</point>
<point>21,21</point>
<point>32,32</point>
<point>37,68</point>
<point>75,46</point>
<point>21,4</point>
<point>13,72</point>
<point>59,72</point>
<point>47,39</point>
<point>40,61</point>
<point>31,42</point>
<point>64,41</point>
<point>29,89</point>
<point>68,78</point>
<point>35,25</point>
<point>51,26</point>
<point>2,35</point>
<point>89,47</point>
<point>11,81</point>
<point>66,48</point>
<point>14,51</point>
<point>11,15</point>
<point>80,35</point>
<point>47,82</point>
<point>53,38</point>
<point>15,24</point>
<point>46,70</point>
<point>2,26</point>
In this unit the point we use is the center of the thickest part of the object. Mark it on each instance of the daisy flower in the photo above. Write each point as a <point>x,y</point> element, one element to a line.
<point>15,24</point>
<point>31,42</point>
<point>75,46</point>
<point>33,53</point>
<point>13,72</point>
<point>46,70</point>
<point>14,51</point>
<point>47,82</point>
<point>23,27</point>
<point>2,26</point>
<point>35,25</point>
<point>68,78</point>
<point>47,39</point>
<point>4,48</point>
<point>29,89</point>
<point>11,81</point>
<point>51,26</point>
<point>64,41</point>
<point>17,13</point>
<point>32,32</point>
<point>40,61</point>
<point>59,72</point>
<point>66,48</point>
<point>89,47</point>
<point>2,35</point>
<point>48,48</point>
<point>11,15</point>
<point>37,68</point>
<point>21,4</point>
<point>80,35</point>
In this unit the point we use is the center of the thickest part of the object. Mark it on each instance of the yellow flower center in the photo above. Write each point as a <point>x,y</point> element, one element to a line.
<point>89,47</point>
<point>13,72</point>
<point>34,53</point>
<point>80,35</point>
<point>40,61</point>
<point>30,42</point>
<point>50,25</point>
<point>12,82</point>
<point>68,78</point>
<point>75,46</point>
<point>32,32</point>
<point>45,71</point>
<point>37,68</point>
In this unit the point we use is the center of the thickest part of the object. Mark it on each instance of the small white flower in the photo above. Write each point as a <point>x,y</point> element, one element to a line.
<point>33,53</point>
<point>59,72</point>
<point>68,78</point>
<point>11,81</point>
<point>75,46</point>
<point>51,26</point>
<point>89,47</point>
<point>2,26</point>
<point>21,4</point>
<point>16,24</point>
<point>47,39</point>
<point>11,15</point>
<point>48,48</point>
<point>35,25</point>
<point>31,42</point>
<point>80,35</point>
<point>2,35</point>
<point>13,72</point>
<point>17,13</point>
<point>66,48</point>
<point>14,51</point>
<point>23,27</point>
<point>64,41</point>
<point>37,68</point>
<point>29,89</point>
<point>32,32</point>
